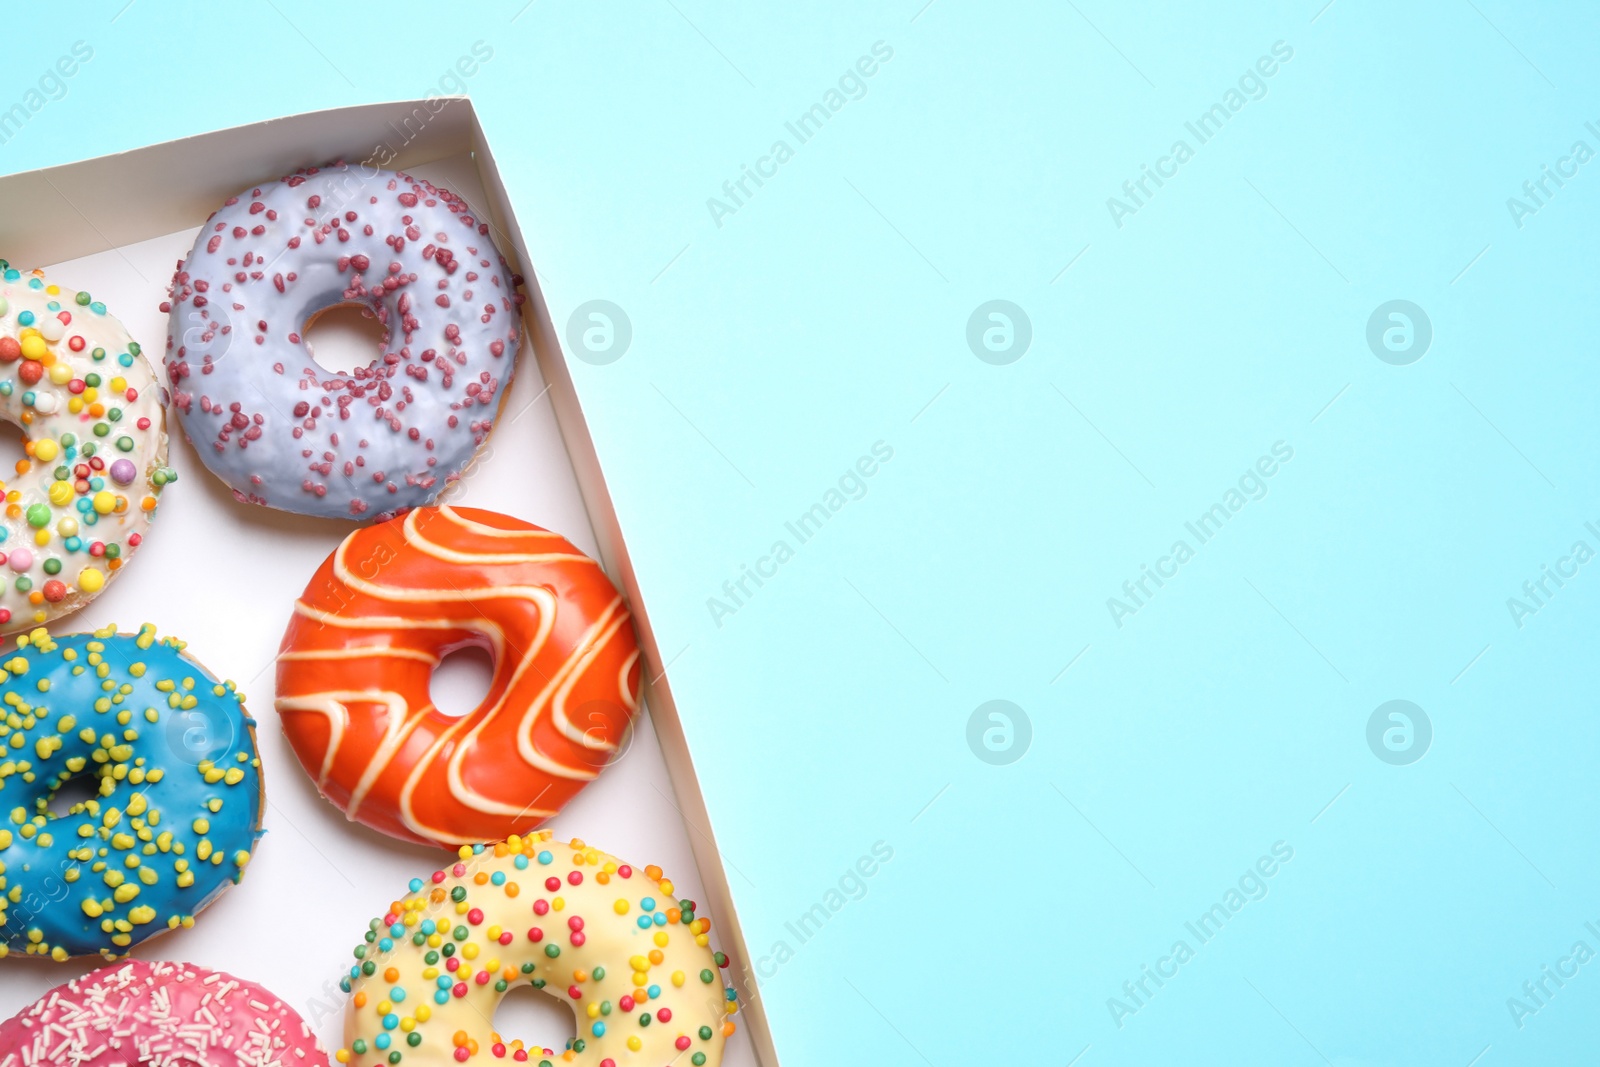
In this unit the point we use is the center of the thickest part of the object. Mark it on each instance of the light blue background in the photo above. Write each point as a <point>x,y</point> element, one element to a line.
<point>829,312</point>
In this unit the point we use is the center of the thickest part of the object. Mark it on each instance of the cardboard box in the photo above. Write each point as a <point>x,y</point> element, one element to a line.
<point>223,575</point>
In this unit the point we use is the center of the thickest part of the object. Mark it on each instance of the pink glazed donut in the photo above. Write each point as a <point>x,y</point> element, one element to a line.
<point>284,431</point>
<point>172,1014</point>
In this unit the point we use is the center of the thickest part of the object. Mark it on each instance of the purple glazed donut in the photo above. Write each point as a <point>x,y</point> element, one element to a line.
<point>283,431</point>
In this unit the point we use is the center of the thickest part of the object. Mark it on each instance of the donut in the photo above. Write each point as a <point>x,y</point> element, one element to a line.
<point>95,458</point>
<point>161,1015</point>
<point>609,939</point>
<point>284,431</point>
<point>177,811</point>
<point>397,597</point>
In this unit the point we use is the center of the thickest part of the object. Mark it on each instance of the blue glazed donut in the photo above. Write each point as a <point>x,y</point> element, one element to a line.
<point>179,792</point>
<point>287,433</point>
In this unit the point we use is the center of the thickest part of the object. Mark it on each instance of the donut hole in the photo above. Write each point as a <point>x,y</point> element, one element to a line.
<point>12,448</point>
<point>343,337</point>
<point>461,681</point>
<point>535,1018</point>
<point>78,789</point>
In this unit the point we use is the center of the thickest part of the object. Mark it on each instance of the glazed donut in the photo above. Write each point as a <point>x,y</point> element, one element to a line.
<point>609,939</point>
<point>178,810</point>
<point>161,1015</point>
<point>96,450</point>
<point>284,431</point>
<point>396,598</point>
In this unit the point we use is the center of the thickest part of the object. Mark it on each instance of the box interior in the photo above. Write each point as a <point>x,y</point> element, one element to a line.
<point>223,575</point>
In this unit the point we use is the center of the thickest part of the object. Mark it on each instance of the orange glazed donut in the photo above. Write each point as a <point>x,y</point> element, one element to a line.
<point>396,598</point>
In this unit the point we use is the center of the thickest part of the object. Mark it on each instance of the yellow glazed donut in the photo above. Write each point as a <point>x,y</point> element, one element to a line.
<point>611,940</point>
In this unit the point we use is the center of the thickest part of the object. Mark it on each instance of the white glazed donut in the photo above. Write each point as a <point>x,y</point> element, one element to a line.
<point>88,402</point>
<point>282,430</point>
